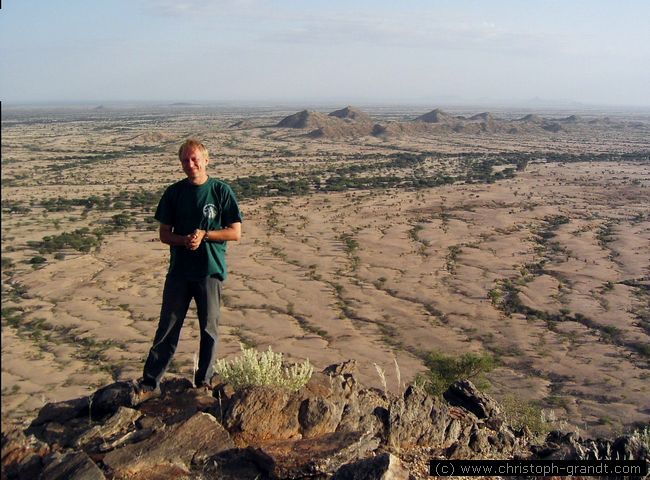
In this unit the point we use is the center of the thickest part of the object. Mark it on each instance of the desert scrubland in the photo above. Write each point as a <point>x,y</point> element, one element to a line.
<point>367,236</point>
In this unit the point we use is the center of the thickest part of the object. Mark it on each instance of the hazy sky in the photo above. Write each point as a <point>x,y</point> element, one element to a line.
<point>431,51</point>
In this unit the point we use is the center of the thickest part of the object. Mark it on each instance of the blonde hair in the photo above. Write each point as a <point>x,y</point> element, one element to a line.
<point>193,144</point>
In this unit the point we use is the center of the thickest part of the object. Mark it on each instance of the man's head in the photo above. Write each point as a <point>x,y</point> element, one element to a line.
<point>194,159</point>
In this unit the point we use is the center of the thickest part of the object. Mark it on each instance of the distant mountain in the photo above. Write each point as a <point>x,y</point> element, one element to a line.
<point>351,113</point>
<point>570,119</point>
<point>352,122</point>
<point>482,117</point>
<point>304,119</point>
<point>435,116</point>
<point>531,118</point>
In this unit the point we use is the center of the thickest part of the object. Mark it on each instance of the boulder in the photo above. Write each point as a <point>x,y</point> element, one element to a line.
<point>62,411</point>
<point>120,423</point>
<point>72,466</point>
<point>174,448</point>
<point>421,419</point>
<point>22,456</point>
<point>464,394</point>
<point>319,455</point>
<point>384,466</point>
<point>256,415</point>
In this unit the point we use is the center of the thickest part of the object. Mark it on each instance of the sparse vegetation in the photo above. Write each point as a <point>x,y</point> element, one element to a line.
<point>446,369</point>
<point>255,368</point>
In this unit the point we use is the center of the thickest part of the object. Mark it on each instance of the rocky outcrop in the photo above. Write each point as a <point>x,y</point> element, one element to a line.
<point>435,116</point>
<point>351,113</point>
<point>352,122</point>
<point>332,428</point>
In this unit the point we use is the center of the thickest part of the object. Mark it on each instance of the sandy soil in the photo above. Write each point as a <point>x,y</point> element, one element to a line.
<point>427,271</point>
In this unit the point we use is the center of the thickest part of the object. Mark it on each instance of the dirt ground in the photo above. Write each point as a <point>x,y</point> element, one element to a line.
<point>547,270</point>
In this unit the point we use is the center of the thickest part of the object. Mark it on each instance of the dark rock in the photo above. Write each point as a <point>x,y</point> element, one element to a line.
<point>192,441</point>
<point>108,399</point>
<point>420,419</point>
<point>464,394</point>
<point>380,467</point>
<point>62,434</point>
<point>62,411</point>
<point>348,367</point>
<point>318,455</point>
<point>478,440</point>
<point>153,423</point>
<point>72,466</point>
<point>119,424</point>
<point>628,448</point>
<point>240,464</point>
<point>22,457</point>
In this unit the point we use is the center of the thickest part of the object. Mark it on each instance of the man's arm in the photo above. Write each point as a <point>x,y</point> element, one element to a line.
<point>171,238</point>
<point>231,233</point>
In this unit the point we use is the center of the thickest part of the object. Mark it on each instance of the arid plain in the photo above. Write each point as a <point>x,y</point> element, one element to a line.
<point>367,235</point>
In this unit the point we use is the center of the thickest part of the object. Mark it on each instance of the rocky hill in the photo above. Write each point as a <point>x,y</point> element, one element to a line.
<point>351,113</point>
<point>436,116</point>
<point>331,428</point>
<point>351,122</point>
<point>346,122</point>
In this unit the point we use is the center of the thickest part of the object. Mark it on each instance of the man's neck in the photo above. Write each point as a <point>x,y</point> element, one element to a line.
<point>198,181</point>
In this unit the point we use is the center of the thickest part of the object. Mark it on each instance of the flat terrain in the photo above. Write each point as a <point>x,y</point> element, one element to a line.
<point>532,246</point>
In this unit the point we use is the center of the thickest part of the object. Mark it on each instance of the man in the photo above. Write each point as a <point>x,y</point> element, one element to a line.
<point>197,216</point>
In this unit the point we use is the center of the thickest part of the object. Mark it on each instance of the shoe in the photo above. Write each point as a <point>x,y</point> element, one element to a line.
<point>142,393</point>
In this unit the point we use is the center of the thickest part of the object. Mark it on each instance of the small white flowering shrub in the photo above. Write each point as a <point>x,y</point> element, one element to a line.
<point>255,368</point>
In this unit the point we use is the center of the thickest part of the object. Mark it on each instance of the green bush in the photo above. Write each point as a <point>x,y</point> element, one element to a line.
<point>519,414</point>
<point>255,368</point>
<point>447,369</point>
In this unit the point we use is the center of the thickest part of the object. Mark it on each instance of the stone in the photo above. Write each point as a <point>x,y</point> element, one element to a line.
<point>176,447</point>
<point>464,394</point>
<point>348,367</point>
<point>420,419</point>
<point>108,399</point>
<point>62,411</point>
<point>119,424</point>
<point>319,455</point>
<point>384,466</point>
<point>177,406</point>
<point>239,464</point>
<point>260,414</point>
<point>318,416</point>
<point>22,457</point>
<point>72,466</point>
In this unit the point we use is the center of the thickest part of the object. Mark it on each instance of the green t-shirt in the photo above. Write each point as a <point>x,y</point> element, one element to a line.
<point>186,207</point>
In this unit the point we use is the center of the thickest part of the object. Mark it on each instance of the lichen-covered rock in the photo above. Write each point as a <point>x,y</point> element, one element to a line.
<point>192,441</point>
<point>420,419</point>
<point>257,415</point>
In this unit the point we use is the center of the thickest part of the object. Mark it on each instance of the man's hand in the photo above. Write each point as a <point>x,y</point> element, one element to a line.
<point>193,240</point>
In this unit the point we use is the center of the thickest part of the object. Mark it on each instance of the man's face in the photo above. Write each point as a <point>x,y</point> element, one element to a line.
<point>194,164</point>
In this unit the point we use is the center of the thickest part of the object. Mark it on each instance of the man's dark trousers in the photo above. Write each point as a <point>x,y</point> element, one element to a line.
<point>177,295</point>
